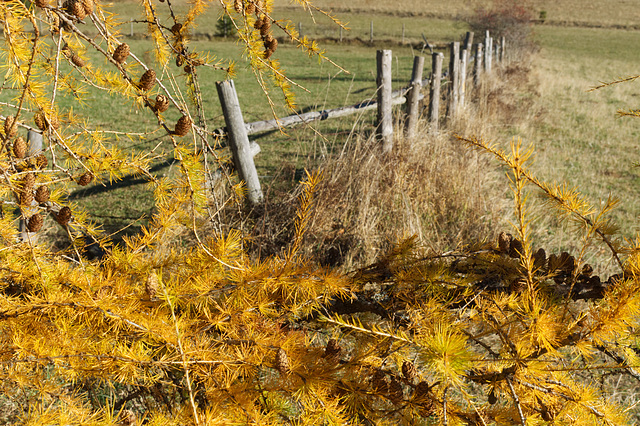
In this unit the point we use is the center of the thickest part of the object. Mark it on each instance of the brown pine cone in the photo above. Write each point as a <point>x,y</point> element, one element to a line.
<point>76,8</point>
<point>42,3</point>
<point>127,418</point>
<point>162,103</point>
<point>148,79</point>
<point>41,161</point>
<point>258,24</point>
<point>409,371</point>
<point>176,28</point>
<point>266,27</point>
<point>85,179</point>
<point>55,24</point>
<point>237,5</point>
<point>26,198</point>
<point>121,53</point>
<point>516,249</point>
<point>89,6</point>
<point>35,223</point>
<point>395,391</point>
<point>182,126</point>
<point>10,126</point>
<point>250,8</point>
<point>28,181</point>
<point>42,194</point>
<point>504,242</point>
<point>282,362</point>
<point>77,60</point>
<point>333,349</point>
<point>64,216</point>
<point>20,147</point>
<point>40,121</point>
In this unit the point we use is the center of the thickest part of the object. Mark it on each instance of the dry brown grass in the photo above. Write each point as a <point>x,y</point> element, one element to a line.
<point>432,187</point>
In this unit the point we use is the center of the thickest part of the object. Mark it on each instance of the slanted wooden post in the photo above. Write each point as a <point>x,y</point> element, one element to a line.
<point>384,123</point>
<point>241,149</point>
<point>464,65</point>
<point>413,97</point>
<point>454,78</point>
<point>497,49</point>
<point>371,32</point>
<point>477,69</point>
<point>503,43</point>
<point>434,95</point>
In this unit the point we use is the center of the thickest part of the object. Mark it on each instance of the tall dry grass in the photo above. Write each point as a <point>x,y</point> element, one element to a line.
<point>432,187</point>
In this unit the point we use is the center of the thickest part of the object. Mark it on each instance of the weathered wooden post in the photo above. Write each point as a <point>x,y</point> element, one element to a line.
<point>488,53</point>
<point>477,69</point>
<point>241,149</point>
<point>403,34</point>
<point>300,30</point>
<point>413,96</point>
<point>454,78</point>
<point>464,65</point>
<point>384,125</point>
<point>434,95</point>
<point>503,45</point>
<point>371,32</point>
<point>497,49</point>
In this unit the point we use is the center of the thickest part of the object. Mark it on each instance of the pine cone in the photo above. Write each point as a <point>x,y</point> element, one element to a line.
<point>237,5</point>
<point>266,27</point>
<point>176,28</point>
<point>152,286</point>
<point>409,371</point>
<point>162,103</point>
<point>28,181</point>
<point>20,148</point>
<point>258,24</point>
<point>504,242</point>
<point>85,179</point>
<point>42,194</point>
<point>26,197</point>
<point>148,79</point>
<point>42,3</point>
<point>250,8</point>
<point>89,6</point>
<point>188,69</point>
<point>332,350</point>
<point>282,362</point>
<point>40,121</point>
<point>41,161</point>
<point>516,249</point>
<point>10,126</point>
<point>64,216</point>
<point>379,382</point>
<point>182,126</point>
<point>395,391</point>
<point>540,259</point>
<point>76,8</point>
<point>77,60</point>
<point>127,418</point>
<point>121,53</point>
<point>35,223</point>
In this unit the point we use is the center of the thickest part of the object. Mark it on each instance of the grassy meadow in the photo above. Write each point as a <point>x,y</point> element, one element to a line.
<point>578,137</point>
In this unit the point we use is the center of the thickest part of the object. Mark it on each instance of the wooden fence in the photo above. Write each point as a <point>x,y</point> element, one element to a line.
<point>455,82</point>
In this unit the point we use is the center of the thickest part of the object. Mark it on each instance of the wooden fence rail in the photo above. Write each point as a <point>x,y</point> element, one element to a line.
<point>243,151</point>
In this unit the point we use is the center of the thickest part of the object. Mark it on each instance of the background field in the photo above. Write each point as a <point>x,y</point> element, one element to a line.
<point>578,137</point>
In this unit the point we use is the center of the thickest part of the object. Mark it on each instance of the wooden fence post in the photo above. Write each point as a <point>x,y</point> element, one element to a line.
<point>503,43</point>
<point>488,53</point>
<point>434,96</point>
<point>384,123</point>
<point>371,32</point>
<point>477,69</point>
<point>413,97</point>
<point>454,78</point>
<point>238,140</point>
<point>464,66</point>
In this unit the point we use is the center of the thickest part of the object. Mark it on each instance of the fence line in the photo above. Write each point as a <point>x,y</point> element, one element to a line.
<point>243,151</point>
